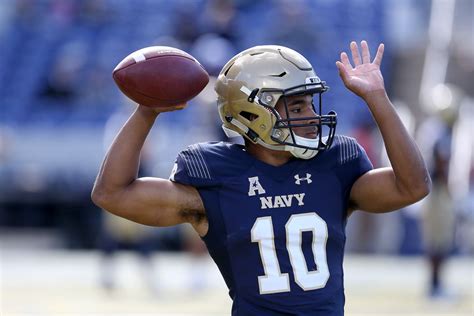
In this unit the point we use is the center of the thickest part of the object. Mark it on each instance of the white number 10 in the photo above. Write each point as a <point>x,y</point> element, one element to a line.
<point>273,281</point>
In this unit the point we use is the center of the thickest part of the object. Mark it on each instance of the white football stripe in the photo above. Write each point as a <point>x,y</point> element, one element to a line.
<point>138,57</point>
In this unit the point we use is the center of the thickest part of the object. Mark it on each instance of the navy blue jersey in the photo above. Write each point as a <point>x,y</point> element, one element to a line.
<point>277,234</point>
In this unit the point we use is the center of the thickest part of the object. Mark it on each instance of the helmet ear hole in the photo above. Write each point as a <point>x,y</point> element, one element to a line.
<point>248,116</point>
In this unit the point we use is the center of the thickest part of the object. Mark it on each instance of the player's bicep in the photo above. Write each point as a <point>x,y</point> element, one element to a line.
<point>157,202</point>
<point>377,192</point>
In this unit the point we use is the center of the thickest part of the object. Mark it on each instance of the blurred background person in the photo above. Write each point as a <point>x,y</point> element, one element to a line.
<point>439,137</point>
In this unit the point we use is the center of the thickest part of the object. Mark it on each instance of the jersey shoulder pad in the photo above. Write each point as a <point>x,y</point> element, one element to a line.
<point>350,160</point>
<point>347,149</point>
<point>206,164</point>
<point>343,150</point>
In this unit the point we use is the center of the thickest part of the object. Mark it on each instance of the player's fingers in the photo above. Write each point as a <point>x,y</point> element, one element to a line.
<point>345,60</point>
<point>365,52</point>
<point>170,108</point>
<point>355,54</point>
<point>342,70</point>
<point>379,55</point>
<point>179,106</point>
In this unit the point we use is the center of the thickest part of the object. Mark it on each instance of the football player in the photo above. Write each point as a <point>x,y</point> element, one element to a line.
<point>273,212</point>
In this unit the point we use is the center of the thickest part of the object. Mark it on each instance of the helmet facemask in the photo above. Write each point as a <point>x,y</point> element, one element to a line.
<point>283,131</point>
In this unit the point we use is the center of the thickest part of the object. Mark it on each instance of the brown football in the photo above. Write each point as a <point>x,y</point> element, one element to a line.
<point>160,76</point>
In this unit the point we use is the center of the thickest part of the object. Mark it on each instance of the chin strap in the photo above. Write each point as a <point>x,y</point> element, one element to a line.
<point>305,153</point>
<point>230,133</point>
<point>301,153</point>
<point>244,129</point>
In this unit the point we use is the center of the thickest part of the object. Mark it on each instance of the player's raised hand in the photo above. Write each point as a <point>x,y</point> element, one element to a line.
<point>363,76</point>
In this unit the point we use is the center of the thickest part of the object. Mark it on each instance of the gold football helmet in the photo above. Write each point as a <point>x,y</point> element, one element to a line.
<point>250,85</point>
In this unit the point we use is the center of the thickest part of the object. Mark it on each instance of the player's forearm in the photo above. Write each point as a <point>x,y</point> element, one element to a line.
<point>121,163</point>
<point>407,162</point>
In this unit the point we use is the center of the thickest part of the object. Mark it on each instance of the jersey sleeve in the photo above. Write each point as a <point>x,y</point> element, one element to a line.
<point>352,162</point>
<point>192,168</point>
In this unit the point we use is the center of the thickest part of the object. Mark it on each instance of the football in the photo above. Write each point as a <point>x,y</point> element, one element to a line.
<point>160,76</point>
